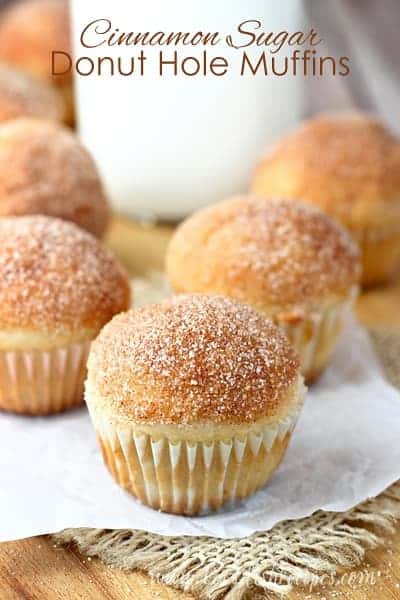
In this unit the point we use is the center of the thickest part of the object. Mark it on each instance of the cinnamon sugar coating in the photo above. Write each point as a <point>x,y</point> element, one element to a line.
<point>30,30</point>
<point>268,253</point>
<point>347,164</point>
<point>192,359</point>
<point>56,278</point>
<point>24,96</point>
<point>44,169</point>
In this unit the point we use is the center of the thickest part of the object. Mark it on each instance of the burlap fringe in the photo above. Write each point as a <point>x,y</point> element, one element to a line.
<point>293,553</point>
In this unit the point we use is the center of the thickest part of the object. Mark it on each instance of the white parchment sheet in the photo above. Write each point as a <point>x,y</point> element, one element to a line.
<point>345,449</point>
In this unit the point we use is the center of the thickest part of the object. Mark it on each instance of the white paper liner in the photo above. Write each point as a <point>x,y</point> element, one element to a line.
<point>344,449</point>
<point>192,478</point>
<point>39,382</point>
<point>315,336</point>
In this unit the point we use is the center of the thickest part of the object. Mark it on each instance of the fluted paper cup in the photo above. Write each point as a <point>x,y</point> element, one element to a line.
<point>380,251</point>
<point>186,477</point>
<point>315,335</point>
<point>37,382</point>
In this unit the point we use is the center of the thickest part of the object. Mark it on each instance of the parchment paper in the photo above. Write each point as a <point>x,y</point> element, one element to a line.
<point>345,449</point>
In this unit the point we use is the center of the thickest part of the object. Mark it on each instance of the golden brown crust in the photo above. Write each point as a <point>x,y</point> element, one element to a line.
<point>44,169</point>
<point>56,278</point>
<point>24,96</point>
<point>380,255</point>
<point>68,97</point>
<point>274,255</point>
<point>30,30</point>
<point>192,359</point>
<point>347,164</point>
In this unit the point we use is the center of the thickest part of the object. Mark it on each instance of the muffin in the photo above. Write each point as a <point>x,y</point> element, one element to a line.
<point>194,401</point>
<point>58,287</point>
<point>349,166</point>
<point>29,31</point>
<point>24,96</point>
<point>44,169</point>
<point>290,261</point>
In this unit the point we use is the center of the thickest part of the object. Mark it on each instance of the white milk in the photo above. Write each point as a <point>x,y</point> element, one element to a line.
<point>168,145</point>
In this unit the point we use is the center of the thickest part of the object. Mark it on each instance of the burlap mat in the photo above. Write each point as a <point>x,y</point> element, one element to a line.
<point>292,553</point>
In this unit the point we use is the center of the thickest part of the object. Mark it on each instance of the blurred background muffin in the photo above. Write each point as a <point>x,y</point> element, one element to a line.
<point>29,31</point>
<point>290,261</point>
<point>348,165</point>
<point>22,95</point>
<point>58,287</point>
<point>44,169</point>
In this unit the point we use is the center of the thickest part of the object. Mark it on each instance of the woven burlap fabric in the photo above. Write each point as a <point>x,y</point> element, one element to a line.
<point>292,553</point>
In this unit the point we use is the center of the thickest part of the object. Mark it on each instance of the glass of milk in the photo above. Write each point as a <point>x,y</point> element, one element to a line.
<point>167,145</point>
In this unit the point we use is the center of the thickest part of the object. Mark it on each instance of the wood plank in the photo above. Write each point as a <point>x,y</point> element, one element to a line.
<point>141,248</point>
<point>380,307</point>
<point>34,569</point>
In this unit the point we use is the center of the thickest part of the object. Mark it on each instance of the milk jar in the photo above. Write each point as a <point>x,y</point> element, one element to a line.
<point>171,138</point>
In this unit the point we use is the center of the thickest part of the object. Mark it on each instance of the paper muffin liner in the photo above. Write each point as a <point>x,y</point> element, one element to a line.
<point>315,335</point>
<point>380,249</point>
<point>37,382</point>
<point>191,478</point>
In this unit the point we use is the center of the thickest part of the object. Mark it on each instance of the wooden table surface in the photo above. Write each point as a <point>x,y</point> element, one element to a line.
<point>35,569</point>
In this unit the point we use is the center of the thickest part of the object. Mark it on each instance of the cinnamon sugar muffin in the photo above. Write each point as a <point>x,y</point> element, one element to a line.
<point>194,401</point>
<point>290,261</point>
<point>44,169</point>
<point>29,31</point>
<point>58,287</point>
<point>24,96</point>
<point>349,166</point>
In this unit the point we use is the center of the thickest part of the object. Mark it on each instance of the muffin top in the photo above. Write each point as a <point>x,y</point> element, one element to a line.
<point>30,30</point>
<point>55,278</point>
<point>271,254</point>
<point>348,164</point>
<point>192,359</point>
<point>44,169</point>
<point>24,96</point>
